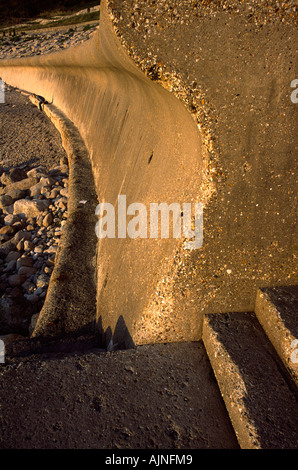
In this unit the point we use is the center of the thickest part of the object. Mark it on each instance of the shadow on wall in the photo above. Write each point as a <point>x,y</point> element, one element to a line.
<point>121,339</point>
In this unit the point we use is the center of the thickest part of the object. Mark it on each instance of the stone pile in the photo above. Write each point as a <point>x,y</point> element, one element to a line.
<point>43,42</point>
<point>33,211</point>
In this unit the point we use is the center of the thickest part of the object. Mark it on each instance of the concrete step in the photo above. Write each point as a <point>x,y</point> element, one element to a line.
<point>262,407</point>
<point>277,311</point>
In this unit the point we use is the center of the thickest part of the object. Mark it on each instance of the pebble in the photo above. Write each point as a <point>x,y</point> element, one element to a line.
<point>31,232</point>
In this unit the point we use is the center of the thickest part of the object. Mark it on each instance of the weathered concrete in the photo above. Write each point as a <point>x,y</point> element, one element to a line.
<point>277,312</point>
<point>145,144</point>
<point>261,405</point>
<point>124,119</point>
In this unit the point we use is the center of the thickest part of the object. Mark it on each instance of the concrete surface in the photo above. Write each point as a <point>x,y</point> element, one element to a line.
<point>152,397</point>
<point>277,312</point>
<point>261,404</point>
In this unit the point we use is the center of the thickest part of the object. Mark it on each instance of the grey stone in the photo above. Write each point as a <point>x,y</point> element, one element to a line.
<point>21,235</point>
<point>11,219</point>
<point>24,261</point>
<point>37,172</point>
<point>16,280</point>
<point>5,200</point>
<point>17,174</point>
<point>27,271</point>
<point>11,266</point>
<point>29,208</point>
<point>16,194</point>
<point>23,184</point>
<point>12,256</point>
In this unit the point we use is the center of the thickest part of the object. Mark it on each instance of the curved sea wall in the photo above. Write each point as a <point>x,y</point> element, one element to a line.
<point>181,108</point>
<point>142,144</point>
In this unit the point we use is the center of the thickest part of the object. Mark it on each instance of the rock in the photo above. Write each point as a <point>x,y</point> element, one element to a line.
<point>28,286</point>
<point>5,200</point>
<point>8,209</point>
<point>51,250</point>
<point>11,338</point>
<point>64,192</point>
<point>16,293</point>
<point>17,174</point>
<point>26,271</point>
<point>37,172</point>
<point>16,280</point>
<point>61,205</point>
<point>29,208</point>
<point>16,194</point>
<point>47,181</point>
<point>7,230</point>
<point>24,261</point>
<point>21,235</point>
<point>12,256</point>
<point>33,299</point>
<point>11,219</point>
<point>38,291</point>
<point>54,193</point>
<point>48,270</point>
<point>4,238</point>
<point>11,266</point>
<point>20,246</point>
<point>6,247</point>
<point>39,262</point>
<point>31,221</point>
<point>19,225</point>
<point>28,245</point>
<point>48,220</point>
<point>58,170</point>
<point>23,184</point>
<point>42,281</point>
<point>36,189</point>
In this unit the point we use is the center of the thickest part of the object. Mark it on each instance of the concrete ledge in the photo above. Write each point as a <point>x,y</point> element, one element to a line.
<point>70,304</point>
<point>262,408</point>
<point>277,312</point>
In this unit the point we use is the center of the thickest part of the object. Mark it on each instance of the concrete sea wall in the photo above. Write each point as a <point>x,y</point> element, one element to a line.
<point>145,143</point>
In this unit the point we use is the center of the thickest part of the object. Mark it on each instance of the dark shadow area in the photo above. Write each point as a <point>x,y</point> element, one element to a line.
<point>120,339</point>
<point>82,340</point>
